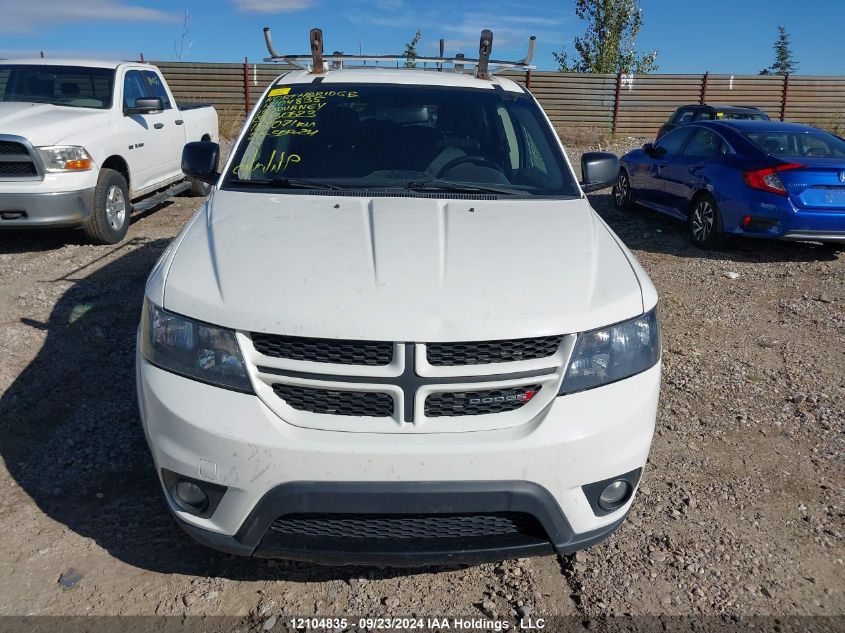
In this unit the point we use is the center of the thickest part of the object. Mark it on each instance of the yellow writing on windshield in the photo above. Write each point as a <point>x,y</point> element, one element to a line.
<point>276,163</point>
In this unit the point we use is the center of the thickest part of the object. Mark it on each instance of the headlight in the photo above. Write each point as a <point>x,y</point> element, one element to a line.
<point>192,349</point>
<point>612,353</point>
<point>65,158</point>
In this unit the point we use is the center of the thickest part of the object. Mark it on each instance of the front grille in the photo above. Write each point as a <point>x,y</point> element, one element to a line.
<point>11,147</point>
<point>18,169</point>
<point>363,403</point>
<point>322,350</point>
<point>408,526</point>
<point>485,352</point>
<point>479,402</point>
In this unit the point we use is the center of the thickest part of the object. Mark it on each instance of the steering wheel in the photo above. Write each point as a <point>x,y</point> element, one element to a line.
<point>460,160</point>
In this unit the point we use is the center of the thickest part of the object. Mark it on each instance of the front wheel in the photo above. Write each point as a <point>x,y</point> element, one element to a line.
<point>622,192</point>
<point>109,219</point>
<point>705,223</point>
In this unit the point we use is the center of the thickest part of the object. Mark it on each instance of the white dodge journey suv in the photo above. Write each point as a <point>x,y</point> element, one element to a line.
<point>397,333</point>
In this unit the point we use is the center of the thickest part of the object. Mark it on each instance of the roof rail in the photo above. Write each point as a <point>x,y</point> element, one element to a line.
<point>319,62</point>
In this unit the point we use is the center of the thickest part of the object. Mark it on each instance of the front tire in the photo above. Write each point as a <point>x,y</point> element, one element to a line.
<point>109,221</point>
<point>705,223</point>
<point>622,192</point>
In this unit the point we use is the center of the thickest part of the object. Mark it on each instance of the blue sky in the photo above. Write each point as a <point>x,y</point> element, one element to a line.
<point>723,36</point>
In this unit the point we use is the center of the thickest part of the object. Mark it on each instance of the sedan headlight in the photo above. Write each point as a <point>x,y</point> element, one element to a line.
<point>65,158</point>
<point>612,353</point>
<point>192,349</point>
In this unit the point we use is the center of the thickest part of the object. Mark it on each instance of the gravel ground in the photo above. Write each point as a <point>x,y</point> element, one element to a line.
<point>740,513</point>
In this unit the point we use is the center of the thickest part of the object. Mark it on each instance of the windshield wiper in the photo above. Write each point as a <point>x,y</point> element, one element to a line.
<point>285,183</point>
<point>456,187</point>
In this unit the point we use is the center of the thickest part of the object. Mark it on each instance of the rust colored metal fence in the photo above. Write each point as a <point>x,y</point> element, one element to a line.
<point>621,104</point>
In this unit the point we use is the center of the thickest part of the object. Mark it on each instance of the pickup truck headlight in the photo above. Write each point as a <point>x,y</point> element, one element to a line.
<point>612,353</point>
<point>65,158</point>
<point>192,349</point>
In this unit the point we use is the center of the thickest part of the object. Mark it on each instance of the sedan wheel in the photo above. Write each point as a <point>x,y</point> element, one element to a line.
<point>705,227</point>
<point>622,192</point>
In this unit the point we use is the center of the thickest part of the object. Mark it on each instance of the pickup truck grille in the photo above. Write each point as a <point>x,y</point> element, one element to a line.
<point>321,350</point>
<point>11,147</point>
<point>479,402</point>
<point>485,352</point>
<point>16,162</point>
<point>331,402</point>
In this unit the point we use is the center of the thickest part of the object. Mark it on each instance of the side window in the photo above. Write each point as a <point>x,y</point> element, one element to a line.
<point>704,143</point>
<point>684,115</point>
<point>510,137</point>
<point>674,140</point>
<point>155,87</point>
<point>133,88</point>
<point>704,115</point>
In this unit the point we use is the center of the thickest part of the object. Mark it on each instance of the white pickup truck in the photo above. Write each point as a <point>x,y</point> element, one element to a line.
<point>81,139</point>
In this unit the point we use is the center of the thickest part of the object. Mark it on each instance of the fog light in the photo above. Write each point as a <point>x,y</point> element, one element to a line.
<point>191,494</point>
<point>614,494</point>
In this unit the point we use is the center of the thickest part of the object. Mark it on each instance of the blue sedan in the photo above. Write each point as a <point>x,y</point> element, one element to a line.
<point>748,178</point>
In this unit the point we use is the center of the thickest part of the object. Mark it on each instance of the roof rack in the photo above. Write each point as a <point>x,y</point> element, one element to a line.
<point>319,62</point>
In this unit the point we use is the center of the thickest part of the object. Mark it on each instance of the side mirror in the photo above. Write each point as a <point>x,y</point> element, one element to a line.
<point>652,150</point>
<point>199,161</point>
<point>599,170</point>
<point>146,105</point>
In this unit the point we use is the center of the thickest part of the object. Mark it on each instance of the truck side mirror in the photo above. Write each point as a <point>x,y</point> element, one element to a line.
<point>599,170</point>
<point>199,161</point>
<point>146,106</point>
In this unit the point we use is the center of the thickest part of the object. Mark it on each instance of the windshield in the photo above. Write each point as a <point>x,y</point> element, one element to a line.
<point>378,136</point>
<point>74,86</point>
<point>742,116</point>
<point>799,144</point>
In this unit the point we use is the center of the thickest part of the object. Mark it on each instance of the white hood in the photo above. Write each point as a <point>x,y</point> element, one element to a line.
<point>401,269</point>
<point>46,124</point>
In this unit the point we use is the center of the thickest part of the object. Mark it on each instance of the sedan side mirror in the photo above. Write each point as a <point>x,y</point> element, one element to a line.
<point>199,161</point>
<point>146,106</point>
<point>653,150</point>
<point>599,170</point>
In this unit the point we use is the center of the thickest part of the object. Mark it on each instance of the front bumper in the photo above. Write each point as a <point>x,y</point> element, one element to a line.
<point>30,210</point>
<point>272,469</point>
<point>258,538</point>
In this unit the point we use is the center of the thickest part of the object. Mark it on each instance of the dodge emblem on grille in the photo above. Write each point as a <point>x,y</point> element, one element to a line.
<point>842,176</point>
<point>523,396</point>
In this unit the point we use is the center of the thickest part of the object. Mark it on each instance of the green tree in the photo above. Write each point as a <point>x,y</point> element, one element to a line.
<point>784,61</point>
<point>608,44</point>
<point>411,50</point>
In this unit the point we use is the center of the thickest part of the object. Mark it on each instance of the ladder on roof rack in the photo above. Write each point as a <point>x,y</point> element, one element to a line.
<point>482,64</point>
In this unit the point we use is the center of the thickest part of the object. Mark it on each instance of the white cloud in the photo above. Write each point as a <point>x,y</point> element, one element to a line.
<point>25,17</point>
<point>272,6</point>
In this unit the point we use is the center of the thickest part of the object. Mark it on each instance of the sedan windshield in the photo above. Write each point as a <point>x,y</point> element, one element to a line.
<point>377,136</point>
<point>74,86</point>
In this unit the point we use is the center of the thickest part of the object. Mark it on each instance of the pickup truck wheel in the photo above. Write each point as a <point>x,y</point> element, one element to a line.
<point>705,223</point>
<point>109,219</point>
<point>199,189</point>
